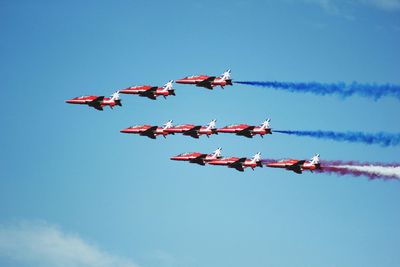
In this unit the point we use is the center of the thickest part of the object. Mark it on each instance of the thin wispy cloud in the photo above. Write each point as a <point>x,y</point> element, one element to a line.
<point>41,244</point>
<point>336,6</point>
<point>388,5</point>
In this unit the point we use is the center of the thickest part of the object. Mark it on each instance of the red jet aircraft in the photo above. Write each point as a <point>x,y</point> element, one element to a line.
<point>193,130</point>
<point>97,102</point>
<point>297,165</point>
<point>198,158</point>
<point>151,92</point>
<point>239,163</point>
<point>247,130</point>
<point>208,82</point>
<point>149,131</point>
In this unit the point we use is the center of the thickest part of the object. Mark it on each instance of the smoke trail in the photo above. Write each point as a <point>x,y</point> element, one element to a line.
<point>374,91</point>
<point>383,139</point>
<point>370,170</point>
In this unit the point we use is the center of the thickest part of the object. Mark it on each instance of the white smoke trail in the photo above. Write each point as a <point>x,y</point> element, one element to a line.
<point>388,171</point>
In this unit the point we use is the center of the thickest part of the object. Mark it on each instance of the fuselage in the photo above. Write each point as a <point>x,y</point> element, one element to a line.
<point>240,127</point>
<point>135,89</point>
<point>192,156</point>
<point>139,129</point>
<point>286,164</point>
<point>85,100</point>
<point>228,161</point>
<point>187,127</point>
<point>199,78</point>
<point>143,88</point>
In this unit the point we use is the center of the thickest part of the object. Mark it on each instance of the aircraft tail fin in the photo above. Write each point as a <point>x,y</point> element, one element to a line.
<point>256,158</point>
<point>226,75</point>
<point>212,125</point>
<point>315,160</point>
<point>168,124</point>
<point>168,85</point>
<point>115,96</point>
<point>217,153</point>
<point>266,124</point>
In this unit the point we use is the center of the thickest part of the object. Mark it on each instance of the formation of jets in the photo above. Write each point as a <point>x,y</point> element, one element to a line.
<point>152,92</point>
<point>196,131</point>
<point>242,163</point>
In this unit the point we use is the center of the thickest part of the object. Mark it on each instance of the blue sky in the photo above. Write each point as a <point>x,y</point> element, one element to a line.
<point>102,198</point>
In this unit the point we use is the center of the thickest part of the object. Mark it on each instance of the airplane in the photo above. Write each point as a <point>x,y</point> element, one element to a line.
<point>239,163</point>
<point>151,92</point>
<point>198,158</point>
<point>97,102</point>
<point>193,130</point>
<point>247,130</point>
<point>297,165</point>
<point>149,131</point>
<point>208,82</point>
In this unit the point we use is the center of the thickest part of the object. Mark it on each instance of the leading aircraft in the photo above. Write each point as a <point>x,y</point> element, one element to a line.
<point>194,131</point>
<point>149,131</point>
<point>208,82</point>
<point>239,163</point>
<point>198,158</point>
<point>151,92</point>
<point>297,165</point>
<point>247,130</point>
<point>97,102</point>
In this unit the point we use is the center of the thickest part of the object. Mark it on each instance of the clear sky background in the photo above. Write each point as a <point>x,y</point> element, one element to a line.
<point>76,192</point>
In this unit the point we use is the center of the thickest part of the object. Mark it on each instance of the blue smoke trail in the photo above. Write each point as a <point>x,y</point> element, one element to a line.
<point>374,91</point>
<point>383,139</point>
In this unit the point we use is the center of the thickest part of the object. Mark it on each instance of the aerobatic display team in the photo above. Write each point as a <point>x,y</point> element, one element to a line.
<point>240,163</point>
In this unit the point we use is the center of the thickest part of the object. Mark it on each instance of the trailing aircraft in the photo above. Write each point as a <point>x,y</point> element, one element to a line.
<point>97,102</point>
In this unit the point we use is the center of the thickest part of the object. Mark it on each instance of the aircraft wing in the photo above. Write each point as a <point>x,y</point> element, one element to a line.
<point>199,160</point>
<point>246,132</point>
<point>206,82</point>
<point>238,165</point>
<point>194,132</point>
<point>97,99</point>
<point>96,103</point>
<point>150,93</point>
<point>296,167</point>
<point>150,132</point>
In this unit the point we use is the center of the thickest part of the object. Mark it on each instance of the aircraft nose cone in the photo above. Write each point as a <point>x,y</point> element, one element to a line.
<point>124,131</point>
<point>69,101</point>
